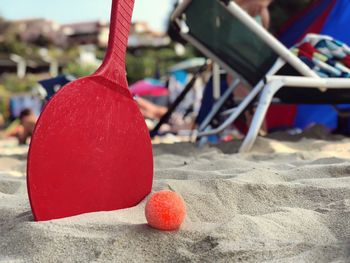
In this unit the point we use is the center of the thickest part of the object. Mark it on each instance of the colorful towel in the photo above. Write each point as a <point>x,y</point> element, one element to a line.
<point>326,56</point>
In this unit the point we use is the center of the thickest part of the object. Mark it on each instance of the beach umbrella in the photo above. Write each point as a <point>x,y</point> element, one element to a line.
<point>149,87</point>
<point>152,90</point>
<point>327,17</point>
<point>310,20</point>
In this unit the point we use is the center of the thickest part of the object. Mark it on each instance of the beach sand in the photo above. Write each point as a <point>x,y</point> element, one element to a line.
<point>286,201</point>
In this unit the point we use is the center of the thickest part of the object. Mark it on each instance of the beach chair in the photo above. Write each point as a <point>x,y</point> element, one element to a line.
<point>222,31</point>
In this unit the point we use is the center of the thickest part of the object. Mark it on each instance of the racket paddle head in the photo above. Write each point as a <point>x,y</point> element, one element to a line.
<point>90,151</point>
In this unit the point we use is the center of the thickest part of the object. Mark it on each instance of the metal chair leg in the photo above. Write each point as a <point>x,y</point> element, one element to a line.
<point>235,114</point>
<point>218,105</point>
<point>264,102</point>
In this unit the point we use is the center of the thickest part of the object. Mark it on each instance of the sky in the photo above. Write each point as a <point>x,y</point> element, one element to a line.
<point>155,12</point>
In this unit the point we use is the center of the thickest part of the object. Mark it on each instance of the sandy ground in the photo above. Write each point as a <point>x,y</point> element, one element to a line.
<point>283,202</point>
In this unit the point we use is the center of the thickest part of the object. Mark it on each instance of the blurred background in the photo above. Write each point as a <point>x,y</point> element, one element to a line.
<point>41,40</point>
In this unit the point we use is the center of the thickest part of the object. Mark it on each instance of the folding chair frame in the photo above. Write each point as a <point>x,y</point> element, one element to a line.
<point>271,84</point>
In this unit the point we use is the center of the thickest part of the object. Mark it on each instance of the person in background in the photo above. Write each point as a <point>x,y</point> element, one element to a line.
<point>26,127</point>
<point>149,109</point>
<point>2,121</point>
<point>257,9</point>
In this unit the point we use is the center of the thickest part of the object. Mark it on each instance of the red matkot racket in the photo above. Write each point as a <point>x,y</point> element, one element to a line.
<point>91,149</point>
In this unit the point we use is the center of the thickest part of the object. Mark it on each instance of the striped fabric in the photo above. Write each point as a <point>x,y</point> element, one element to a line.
<point>328,57</point>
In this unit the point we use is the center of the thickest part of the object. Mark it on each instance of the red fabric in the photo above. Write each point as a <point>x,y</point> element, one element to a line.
<point>281,116</point>
<point>307,50</point>
<point>241,125</point>
<point>346,61</point>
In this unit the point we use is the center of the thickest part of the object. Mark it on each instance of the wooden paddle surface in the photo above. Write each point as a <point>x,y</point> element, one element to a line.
<point>91,149</point>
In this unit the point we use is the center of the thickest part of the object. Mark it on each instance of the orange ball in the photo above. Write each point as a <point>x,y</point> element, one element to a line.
<point>165,210</point>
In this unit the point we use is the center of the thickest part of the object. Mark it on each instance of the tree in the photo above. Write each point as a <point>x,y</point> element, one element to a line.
<point>13,84</point>
<point>151,62</point>
<point>9,39</point>
<point>78,70</point>
<point>3,25</point>
<point>42,41</point>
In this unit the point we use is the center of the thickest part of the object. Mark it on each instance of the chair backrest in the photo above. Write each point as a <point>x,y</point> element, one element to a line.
<point>230,40</point>
<point>233,38</point>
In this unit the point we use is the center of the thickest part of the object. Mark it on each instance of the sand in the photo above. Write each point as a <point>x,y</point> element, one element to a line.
<point>283,202</point>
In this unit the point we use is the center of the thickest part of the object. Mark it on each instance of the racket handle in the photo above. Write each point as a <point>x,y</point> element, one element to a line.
<point>113,66</point>
<point>119,28</point>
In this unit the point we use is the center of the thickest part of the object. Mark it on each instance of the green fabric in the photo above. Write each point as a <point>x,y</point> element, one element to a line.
<point>229,39</point>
